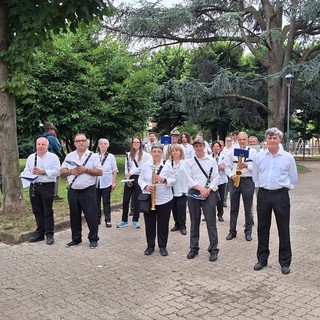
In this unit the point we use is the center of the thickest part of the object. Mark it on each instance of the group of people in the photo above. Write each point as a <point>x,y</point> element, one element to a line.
<point>171,177</point>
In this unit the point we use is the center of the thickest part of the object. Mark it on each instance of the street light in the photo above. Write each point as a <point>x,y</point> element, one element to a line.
<point>289,81</point>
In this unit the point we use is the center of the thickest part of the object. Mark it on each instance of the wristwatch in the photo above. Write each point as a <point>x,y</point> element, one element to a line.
<point>44,172</point>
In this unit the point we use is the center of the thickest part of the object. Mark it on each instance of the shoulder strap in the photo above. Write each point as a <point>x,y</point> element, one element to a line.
<point>104,158</point>
<point>198,163</point>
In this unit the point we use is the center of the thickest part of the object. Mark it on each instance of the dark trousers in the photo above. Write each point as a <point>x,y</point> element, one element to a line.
<point>179,208</point>
<point>129,192</point>
<point>41,197</point>
<point>246,189</point>
<point>221,190</point>
<point>105,195</point>
<point>85,201</point>
<point>157,222</point>
<point>226,191</point>
<point>209,211</point>
<point>279,202</point>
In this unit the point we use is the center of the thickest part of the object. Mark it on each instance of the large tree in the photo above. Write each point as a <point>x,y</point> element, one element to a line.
<point>24,26</point>
<point>276,32</point>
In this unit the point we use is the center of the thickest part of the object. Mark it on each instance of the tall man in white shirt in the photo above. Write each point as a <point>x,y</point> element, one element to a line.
<point>47,166</point>
<point>81,168</point>
<point>203,178</point>
<point>274,173</point>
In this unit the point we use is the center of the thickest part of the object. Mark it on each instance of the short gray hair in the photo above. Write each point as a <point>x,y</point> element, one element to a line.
<point>103,140</point>
<point>274,132</point>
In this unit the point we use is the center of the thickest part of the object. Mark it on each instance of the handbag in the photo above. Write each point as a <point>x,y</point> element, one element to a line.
<point>145,202</point>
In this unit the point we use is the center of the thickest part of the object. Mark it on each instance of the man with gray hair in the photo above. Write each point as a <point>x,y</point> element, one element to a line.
<point>274,173</point>
<point>107,182</point>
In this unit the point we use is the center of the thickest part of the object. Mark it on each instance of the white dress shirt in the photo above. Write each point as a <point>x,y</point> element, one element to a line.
<point>84,180</point>
<point>48,162</point>
<point>274,172</point>
<point>109,167</point>
<point>181,185</point>
<point>130,166</point>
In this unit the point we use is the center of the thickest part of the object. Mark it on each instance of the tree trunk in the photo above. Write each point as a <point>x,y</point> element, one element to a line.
<point>13,201</point>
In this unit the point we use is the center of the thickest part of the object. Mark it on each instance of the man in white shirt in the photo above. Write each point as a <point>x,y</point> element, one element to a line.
<point>47,166</point>
<point>274,173</point>
<point>81,168</point>
<point>202,175</point>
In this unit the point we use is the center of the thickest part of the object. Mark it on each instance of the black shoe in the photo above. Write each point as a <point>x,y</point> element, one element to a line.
<point>108,224</point>
<point>203,219</point>
<point>36,238</point>
<point>248,237</point>
<point>183,231</point>
<point>231,235</point>
<point>131,213</point>
<point>93,244</point>
<point>192,253</point>
<point>163,252</point>
<point>50,240</point>
<point>285,270</point>
<point>174,229</point>
<point>148,251</point>
<point>73,243</point>
<point>259,265</point>
<point>57,198</point>
<point>213,256</point>
<point>225,205</point>
<point>220,219</point>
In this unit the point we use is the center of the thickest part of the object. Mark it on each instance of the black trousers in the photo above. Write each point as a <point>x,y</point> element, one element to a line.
<point>179,209</point>
<point>41,197</point>
<point>133,192</point>
<point>246,189</point>
<point>279,202</point>
<point>221,190</point>
<point>105,195</point>
<point>157,222</point>
<point>85,201</point>
<point>209,211</point>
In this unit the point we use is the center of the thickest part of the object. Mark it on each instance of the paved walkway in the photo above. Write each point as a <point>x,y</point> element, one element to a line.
<point>116,281</point>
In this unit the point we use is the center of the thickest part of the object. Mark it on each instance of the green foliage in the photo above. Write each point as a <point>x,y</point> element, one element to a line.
<point>30,24</point>
<point>85,84</point>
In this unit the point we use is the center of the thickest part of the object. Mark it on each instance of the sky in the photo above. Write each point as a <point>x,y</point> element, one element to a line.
<point>164,2</point>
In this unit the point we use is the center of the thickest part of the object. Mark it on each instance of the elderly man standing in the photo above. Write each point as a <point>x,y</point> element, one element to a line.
<point>81,167</point>
<point>242,164</point>
<point>274,173</point>
<point>46,165</point>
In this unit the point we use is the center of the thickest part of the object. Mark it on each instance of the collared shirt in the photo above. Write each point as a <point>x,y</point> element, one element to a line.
<point>274,172</point>
<point>49,162</point>
<point>196,176</point>
<point>181,185</point>
<point>233,163</point>
<point>163,191</point>
<point>131,167</point>
<point>84,180</point>
<point>109,167</point>
<point>188,151</point>
<point>221,161</point>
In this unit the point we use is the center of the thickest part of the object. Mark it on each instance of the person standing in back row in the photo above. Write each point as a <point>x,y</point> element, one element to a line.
<point>274,173</point>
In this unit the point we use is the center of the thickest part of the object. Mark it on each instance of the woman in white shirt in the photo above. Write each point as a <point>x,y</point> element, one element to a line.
<point>157,178</point>
<point>133,162</point>
<point>180,189</point>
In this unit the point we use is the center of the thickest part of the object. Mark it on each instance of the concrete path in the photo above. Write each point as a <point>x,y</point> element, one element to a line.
<point>116,281</point>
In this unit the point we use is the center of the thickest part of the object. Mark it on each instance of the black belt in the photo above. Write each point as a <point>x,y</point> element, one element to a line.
<point>274,190</point>
<point>246,177</point>
<point>41,183</point>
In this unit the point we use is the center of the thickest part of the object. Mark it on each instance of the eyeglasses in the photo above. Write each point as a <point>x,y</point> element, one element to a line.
<point>136,142</point>
<point>78,141</point>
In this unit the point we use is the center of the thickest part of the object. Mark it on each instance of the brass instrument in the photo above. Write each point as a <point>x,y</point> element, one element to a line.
<point>236,181</point>
<point>153,194</point>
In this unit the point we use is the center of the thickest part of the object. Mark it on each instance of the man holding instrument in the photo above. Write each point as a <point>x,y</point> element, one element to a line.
<point>202,175</point>
<point>240,167</point>
<point>81,168</point>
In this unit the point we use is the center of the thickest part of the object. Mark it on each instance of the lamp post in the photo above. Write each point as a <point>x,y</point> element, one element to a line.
<point>289,81</point>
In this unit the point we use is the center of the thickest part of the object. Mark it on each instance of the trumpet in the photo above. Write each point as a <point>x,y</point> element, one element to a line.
<point>154,190</point>
<point>236,181</point>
